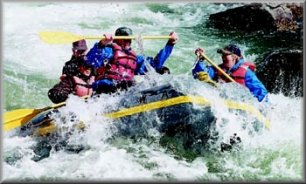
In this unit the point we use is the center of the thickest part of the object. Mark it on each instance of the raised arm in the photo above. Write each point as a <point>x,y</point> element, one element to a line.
<point>159,60</point>
<point>100,53</point>
<point>201,66</point>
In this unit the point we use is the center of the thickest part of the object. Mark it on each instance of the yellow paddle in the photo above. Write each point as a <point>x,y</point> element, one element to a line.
<point>17,118</point>
<point>57,37</point>
<point>217,67</point>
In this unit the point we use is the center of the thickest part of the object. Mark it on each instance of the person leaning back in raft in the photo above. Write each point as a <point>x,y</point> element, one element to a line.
<point>235,66</point>
<point>76,77</point>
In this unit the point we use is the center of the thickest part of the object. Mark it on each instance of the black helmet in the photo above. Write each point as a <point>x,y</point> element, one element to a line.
<point>123,31</point>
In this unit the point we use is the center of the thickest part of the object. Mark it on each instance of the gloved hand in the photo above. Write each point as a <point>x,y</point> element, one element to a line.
<point>108,39</point>
<point>203,76</point>
<point>174,38</point>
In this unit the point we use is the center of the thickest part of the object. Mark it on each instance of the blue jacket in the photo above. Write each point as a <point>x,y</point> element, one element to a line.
<point>99,55</point>
<point>251,81</point>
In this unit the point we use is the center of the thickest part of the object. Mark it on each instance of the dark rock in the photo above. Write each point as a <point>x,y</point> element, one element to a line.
<point>281,71</point>
<point>247,18</point>
<point>260,17</point>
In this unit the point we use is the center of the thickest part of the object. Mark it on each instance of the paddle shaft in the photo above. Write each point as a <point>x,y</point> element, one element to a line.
<point>127,37</point>
<point>59,37</point>
<point>217,67</point>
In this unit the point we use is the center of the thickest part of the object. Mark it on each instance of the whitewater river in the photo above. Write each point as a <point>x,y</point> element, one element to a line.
<point>30,67</point>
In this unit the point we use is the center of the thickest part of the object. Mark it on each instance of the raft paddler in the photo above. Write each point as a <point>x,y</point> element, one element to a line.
<point>116,62</point>
<point>78,83</point>
<point>235,66</point>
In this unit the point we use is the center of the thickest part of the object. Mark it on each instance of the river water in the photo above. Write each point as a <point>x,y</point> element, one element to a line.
<point>31,67</point>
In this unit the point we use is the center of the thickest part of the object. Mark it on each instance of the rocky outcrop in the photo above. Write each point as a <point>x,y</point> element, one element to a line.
<point>260,17</point>
<point>281,71</point>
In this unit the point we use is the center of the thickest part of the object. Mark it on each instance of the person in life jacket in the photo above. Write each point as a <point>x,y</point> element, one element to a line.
<point>116,62</point>
<point>78,84</point>
<point>236,67</point>
<point>76,79</point>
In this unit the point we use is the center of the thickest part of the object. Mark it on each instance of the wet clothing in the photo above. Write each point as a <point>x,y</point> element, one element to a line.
<point>239,74</point>
<point>110,86</point>
<point>71,67</point>
<point>82,87</point>
<point>72,81</point>
<point>100,57</point>
<point>79,85</point>
<point>122,66</point>
<point>157,62</point>
<point>250,79</point>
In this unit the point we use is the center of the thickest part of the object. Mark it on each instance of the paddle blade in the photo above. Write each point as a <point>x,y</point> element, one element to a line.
<point>55,37</point>
<point>18,118</point>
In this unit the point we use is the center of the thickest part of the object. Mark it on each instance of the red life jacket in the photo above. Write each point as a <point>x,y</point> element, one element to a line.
<point>239,74</point>
<point>81,87</point>
<point>122,66</point>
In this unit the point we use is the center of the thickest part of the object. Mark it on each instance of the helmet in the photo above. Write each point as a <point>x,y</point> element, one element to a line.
<point>123,31</point>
